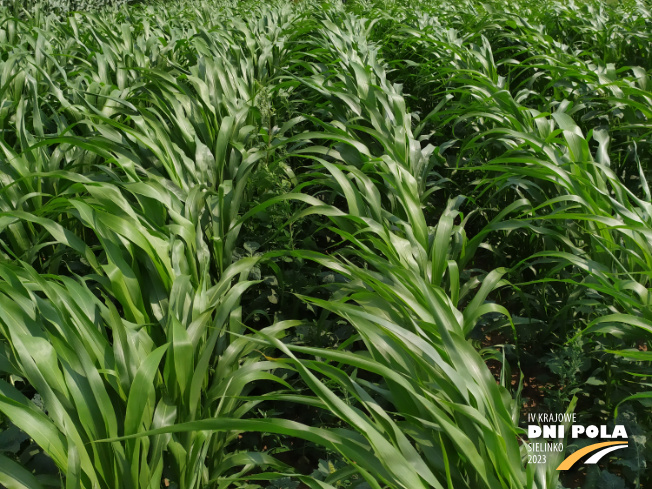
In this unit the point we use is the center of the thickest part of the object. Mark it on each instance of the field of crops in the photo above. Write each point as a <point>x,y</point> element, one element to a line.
<point>328,245</point>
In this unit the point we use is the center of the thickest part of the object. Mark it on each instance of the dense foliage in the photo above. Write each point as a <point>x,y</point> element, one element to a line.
<point>260,244</point>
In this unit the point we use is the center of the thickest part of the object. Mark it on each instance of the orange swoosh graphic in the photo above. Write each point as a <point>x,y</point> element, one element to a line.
<point>574,457</point>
